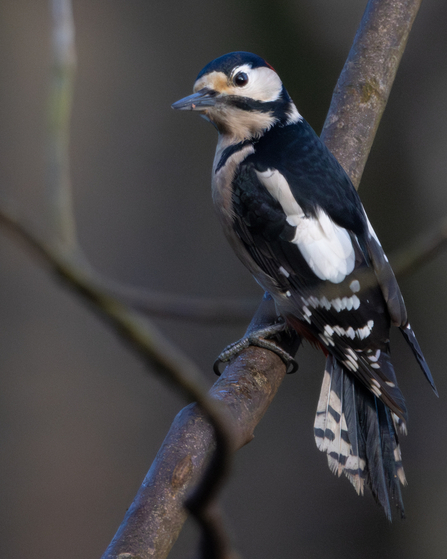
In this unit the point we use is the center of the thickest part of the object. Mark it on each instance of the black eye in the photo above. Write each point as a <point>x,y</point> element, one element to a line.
<point>240,79</point>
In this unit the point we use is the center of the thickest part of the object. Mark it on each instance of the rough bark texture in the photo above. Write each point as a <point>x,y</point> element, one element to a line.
<point>156,516</point>
<point>245,389</point>
<point>364,85</point>
<point>249,384</point>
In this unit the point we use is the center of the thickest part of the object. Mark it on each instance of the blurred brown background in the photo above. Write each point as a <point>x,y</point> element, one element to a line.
<point>80,418</point>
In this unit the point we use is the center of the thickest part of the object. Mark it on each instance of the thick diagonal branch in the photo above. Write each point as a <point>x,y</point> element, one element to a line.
<point>364,85</point>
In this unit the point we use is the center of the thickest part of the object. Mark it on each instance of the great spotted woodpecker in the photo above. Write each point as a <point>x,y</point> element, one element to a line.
<point>294,219</point>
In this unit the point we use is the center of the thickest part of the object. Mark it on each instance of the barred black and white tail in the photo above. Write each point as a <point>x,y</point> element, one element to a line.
<point>360,436</point>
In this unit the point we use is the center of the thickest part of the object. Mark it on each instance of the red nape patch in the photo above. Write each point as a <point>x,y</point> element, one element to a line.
<point>303,330</point>
<point>270,66</point>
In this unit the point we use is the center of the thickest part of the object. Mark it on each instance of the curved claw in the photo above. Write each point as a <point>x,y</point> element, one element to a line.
<point>257,339</point>
<point>294,366</point>
<point>216,365</point>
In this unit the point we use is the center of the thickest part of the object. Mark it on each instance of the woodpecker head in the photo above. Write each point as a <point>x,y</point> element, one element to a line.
<point>242,95</point>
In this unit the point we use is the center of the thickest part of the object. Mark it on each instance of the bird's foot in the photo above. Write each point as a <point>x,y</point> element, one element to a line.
<point>258,338</point>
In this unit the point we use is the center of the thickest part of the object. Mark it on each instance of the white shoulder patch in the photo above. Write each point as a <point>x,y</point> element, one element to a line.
<point>326,247</point>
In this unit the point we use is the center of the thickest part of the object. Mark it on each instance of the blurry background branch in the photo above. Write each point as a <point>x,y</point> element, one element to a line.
<point>147,341</point>
<point>214,310</point>
<point>421,251</point>
<point>60,203</point>
<point>62,256</point>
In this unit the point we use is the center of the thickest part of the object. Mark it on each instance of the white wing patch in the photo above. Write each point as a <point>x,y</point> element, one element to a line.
<point>326,247</point>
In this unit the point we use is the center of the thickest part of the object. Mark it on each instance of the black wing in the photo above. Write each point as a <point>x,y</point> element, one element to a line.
<point>349,319</point>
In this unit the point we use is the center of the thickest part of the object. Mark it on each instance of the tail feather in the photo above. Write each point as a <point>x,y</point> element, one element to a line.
<point>359,434</point>
<point>355,465</point>
<point>391,454</point>
<point>376,474</point>
<point>383,382</point>
<point>409,335</point>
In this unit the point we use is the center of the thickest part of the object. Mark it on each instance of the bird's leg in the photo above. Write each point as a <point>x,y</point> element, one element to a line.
<point>264,325</point>
<point>258,339</point>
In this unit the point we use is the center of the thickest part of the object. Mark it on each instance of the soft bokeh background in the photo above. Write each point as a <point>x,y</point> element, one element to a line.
<point>80,418</point>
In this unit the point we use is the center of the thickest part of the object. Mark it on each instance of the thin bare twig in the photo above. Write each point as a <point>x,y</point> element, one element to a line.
<point>216,310</point>
<point>153,347</point>
<point>421,251</point>
<point>60,202</point>
<point>145,339</point>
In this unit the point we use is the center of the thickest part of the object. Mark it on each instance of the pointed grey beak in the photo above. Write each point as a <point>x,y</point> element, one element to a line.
<point>197,101</point>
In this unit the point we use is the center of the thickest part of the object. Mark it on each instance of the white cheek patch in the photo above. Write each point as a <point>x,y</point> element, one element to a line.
<point>326,247</point>
<point>263,84</point>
